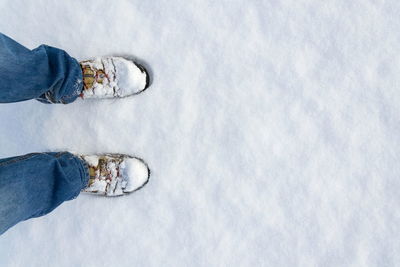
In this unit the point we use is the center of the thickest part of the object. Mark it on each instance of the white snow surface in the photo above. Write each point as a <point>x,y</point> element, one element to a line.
<point>271,130</point>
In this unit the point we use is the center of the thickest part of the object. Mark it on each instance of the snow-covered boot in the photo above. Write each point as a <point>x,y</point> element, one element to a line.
<point>109,77</point>
<point>115,174</point>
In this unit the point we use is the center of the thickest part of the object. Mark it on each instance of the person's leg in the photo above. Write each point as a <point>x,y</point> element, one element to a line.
<point>34,184</point>
<point>45,73</point>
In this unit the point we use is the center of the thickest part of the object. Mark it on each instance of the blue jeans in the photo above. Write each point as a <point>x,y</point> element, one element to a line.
<point>33,185</point>
<point>45,73</point>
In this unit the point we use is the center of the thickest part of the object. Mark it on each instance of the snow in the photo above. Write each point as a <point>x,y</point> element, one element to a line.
<point>137,172</point>
<point>130,78</point>
<point>271,130</point>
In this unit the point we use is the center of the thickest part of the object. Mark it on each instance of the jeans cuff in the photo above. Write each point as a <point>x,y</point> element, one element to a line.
<point>84,170</point>
<point>71,88</point>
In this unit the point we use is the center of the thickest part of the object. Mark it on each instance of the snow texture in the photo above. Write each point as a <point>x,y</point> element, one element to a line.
<point>271,129</point>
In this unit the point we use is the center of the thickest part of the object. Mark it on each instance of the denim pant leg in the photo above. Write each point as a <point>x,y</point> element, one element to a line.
<point>45,73</point>
<point>34,184</point>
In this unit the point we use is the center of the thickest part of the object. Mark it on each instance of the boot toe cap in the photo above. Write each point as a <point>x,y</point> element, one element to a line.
<point>137,173</point>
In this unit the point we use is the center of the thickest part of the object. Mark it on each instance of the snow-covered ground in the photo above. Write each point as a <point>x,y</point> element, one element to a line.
<point>271,129</point>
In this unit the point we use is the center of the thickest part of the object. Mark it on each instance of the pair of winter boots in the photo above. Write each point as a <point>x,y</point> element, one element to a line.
<point>114,77</point>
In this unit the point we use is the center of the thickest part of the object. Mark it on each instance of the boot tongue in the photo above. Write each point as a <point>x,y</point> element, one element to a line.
<point>99,78</point>
<point>88,75</point>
